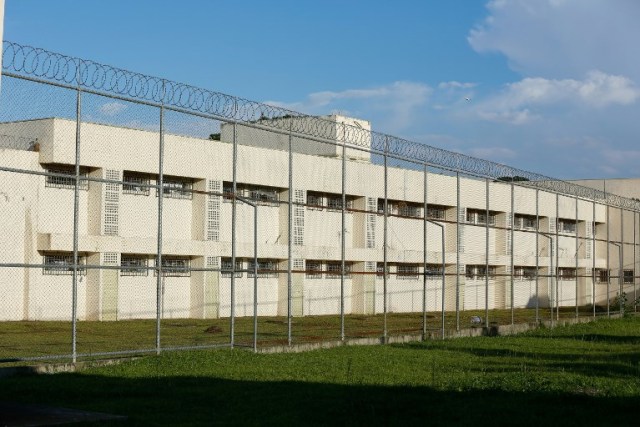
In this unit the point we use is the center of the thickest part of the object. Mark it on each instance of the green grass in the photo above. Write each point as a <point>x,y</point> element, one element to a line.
<point>47,338</point>
<point>586,374</point>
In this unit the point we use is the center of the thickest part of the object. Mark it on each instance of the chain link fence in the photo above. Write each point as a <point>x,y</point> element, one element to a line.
<point>142,215</point>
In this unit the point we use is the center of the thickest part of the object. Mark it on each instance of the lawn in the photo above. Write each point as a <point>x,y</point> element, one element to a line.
<point>585,374</point>
<point>28,339</point>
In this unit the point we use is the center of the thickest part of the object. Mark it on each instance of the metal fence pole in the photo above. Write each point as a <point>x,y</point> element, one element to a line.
<point>513,221</point>
<point>621,268</point>
<point>608,260</point>
<point>593,258</point>
<point>255,278</point>
<point>385,242</point>
<point>342,235</point>
<point>424,255</point>
<point>537,256</point>
<point>458,251</point>
<point>159,272</point>
<point>635,264</point>
<point>290,239</point>
<point>486,254</point>
<point>557,290</point>
<point>76,215</point>
<point>577,249</point>
<point>234,208</point>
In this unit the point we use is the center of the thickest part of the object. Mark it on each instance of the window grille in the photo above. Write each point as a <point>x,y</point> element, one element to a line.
<point>525,222</point>
<point>266,269</point>
<point>315,201</point>
<point>475,216</point>
<point>67,181</point>
<point>475,272</point>
<point>525,273</point>
<point>407,271</point>
<point>110,258</point>
<point>175,188</point>
<point>135,184</point>
<point>263,195</point>
<point>371,223</point>
<point>134,265</point>
<point>62,265</point>
<point>334,270</point>
<point>226,267</point>
<point>380,269</point>
<point>567,226</point>
<point>627,276</point>
<point>175,267</point>
<point>313,269</point>
<point>436,212</point>
<point>565,273</point>
<point>433,271</point>
<point>602,276</point>
<point>409,210</point>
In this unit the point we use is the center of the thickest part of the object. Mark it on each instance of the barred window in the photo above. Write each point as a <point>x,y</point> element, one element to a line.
<point>68,180</point>
<point>315,200</point>
<point>477,216</point>
<point>475,272</point>
<point>334,269</point>
<point>525,222</point>
<point>434,270</point>
<point>260,194</point>
<point>627,276</point>
<point>313,269</point>
<point>177,188</point>
<point>566,226</point>
<point>525,273</point>
<point>263,195</point>
<point>436,212</point>
<point>413,210</point>
<point>602,276</point>
<point>266,269</point>
<point>134,265</point>
<point>407,271</point>
<point>136,184</point>
<point>62,264</point>
<point>334,202</point>
<point>565,273</point>
<point>227,267</point>
<point>175,267</point>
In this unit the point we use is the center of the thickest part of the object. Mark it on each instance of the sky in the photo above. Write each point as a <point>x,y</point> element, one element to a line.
<point>548,86</point>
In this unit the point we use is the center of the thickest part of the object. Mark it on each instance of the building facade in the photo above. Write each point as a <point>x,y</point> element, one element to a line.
<point>506,244</point>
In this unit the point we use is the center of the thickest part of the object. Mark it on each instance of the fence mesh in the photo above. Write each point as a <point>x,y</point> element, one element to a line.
<point>141,215</point>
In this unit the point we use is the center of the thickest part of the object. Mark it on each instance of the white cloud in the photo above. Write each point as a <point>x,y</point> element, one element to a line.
<point>494,153</point>
<point>524,101</point>
<point>112,108</point>
<point>562,38</point>
<point>456,85</point>
<point>396,103</point>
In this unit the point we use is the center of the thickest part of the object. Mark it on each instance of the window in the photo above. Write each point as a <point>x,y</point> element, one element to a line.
<point>475,272</point>
<point>401,208</point>
<point>177,188</point>
<point>602,276</point>
<point>525,222</point>
<point>315,200</point>
<point>476,216</point>
<point>68,180</point>
<point>436,212</point>
<point>175,267</point>
<point>525,273</point>
<point>627,276</point>
<point>380,269</point>
<point>133,265</point>
<point>313,269</point>
<point>407,271</point>
<point>136,184</point>
<point>334,270</point>
<point>413,210</point>
<point>62,264</point>
<point>266,269</point>
<point>260,194</point>
<point>434,270</point>
<point>227,266</point>
<point>567,226</point>
<point>565,273</point>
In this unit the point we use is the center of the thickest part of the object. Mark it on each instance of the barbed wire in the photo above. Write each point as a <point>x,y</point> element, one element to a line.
<point>55,67</point>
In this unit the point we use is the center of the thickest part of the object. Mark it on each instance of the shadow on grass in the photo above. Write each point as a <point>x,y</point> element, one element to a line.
<point>209,401</point>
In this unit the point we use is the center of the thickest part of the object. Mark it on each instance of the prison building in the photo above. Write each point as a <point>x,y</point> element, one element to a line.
<point>118,222</point>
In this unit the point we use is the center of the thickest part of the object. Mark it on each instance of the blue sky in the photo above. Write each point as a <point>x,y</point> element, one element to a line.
<point>553,86</point>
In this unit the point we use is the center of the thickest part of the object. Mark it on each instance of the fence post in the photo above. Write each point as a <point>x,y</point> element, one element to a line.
<point>385,242</point>
<point>593,257</point>
<point>513,244</point>
<point>537,256</point>
<point>342,229</point>
<point>76,215</point>
<point>160,190</point>
<point>486,254</point>
<point>290,239</point>
<point>424,254</point>
<point>458,251</point>
<point>234,207</point>
<point>577,249</point>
